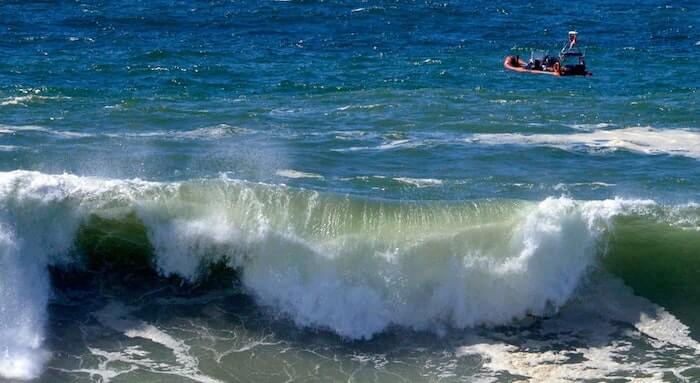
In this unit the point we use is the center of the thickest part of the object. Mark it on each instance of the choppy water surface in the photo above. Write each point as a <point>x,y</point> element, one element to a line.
<point>347,191</point>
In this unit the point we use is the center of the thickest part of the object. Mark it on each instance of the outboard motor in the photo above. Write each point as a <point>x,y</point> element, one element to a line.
<point>574,63</point>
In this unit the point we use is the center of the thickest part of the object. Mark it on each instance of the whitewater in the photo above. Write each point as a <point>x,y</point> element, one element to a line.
<point>353,267</point>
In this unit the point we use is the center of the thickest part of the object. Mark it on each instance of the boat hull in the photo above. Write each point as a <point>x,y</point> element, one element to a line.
<point>516,64</point>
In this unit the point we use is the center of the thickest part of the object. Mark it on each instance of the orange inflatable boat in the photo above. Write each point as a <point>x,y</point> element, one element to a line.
<point>575,65</point>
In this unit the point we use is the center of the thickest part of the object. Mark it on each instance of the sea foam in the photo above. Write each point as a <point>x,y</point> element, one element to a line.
<point>646,140</point>
<point>352,266</point>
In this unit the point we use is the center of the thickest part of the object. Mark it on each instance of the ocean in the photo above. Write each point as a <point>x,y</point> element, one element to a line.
<point>357,191</point>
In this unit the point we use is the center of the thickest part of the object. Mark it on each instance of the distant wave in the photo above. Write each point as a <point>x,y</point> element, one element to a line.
<point>21,129</point>
<point>395,144</point>
<point>204,133</point>
<point>351,107</point>
<point>419,182</point>
<point>373,9</point>
<point>646,140</point>
<point>29,98</point>
<point>291,173</point>
<point>592,137</point>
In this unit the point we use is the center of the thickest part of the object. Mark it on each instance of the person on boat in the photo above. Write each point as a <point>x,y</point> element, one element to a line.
<point>571,44</point>
<point>534,64</point>
<point>571,58</point>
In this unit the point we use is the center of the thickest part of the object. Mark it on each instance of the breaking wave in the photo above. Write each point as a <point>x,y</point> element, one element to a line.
<point>352,266</point>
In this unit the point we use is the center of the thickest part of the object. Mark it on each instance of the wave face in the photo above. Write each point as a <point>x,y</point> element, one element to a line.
<point>352,266</point>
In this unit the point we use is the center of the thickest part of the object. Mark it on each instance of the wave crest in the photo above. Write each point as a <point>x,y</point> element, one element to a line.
<point>352,266</point>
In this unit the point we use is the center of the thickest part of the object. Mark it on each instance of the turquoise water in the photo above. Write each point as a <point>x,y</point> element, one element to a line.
<point>325,191</point>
